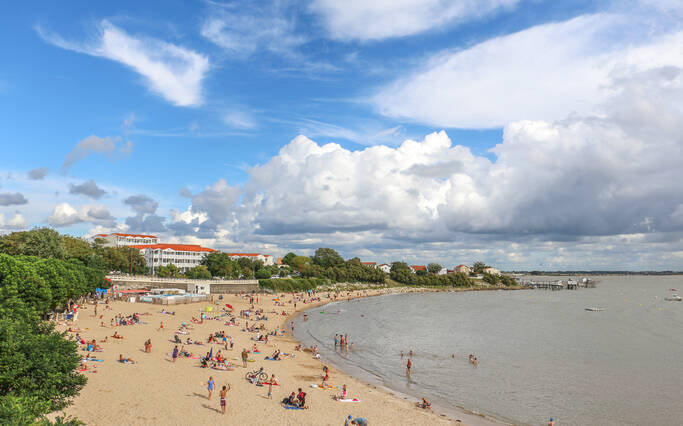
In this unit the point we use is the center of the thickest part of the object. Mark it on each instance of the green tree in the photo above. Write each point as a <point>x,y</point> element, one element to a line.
<point>199,272</point>
<point>478,267</point>
<point>263,273</point>
<point>287,260</point>
<point>301,263</point>
<point>40,242</point>
<point>434,268</point>
<point>76,248</point>
<point>37,365</point>
<point>327,257</point>
<point>218,263</point>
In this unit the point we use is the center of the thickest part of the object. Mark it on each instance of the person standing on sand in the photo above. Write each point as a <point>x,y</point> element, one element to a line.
<point>551,422</point>
<point>245,355</point>
<point>409,365</point>
<point>210,386</point>
<point>174,355</point>
<point>223,394</point>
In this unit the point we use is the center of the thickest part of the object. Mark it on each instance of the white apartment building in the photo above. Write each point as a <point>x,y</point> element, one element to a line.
<point>267,259</point>
<point>385,267</point>
<point>183,256</point>
<point>120,240</point>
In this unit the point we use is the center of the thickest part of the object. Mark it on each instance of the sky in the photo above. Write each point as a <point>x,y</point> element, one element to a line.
<point>528,134</point>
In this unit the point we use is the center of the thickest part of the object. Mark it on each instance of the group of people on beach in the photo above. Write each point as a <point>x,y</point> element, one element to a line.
<point>295,399</point>
<point>342,340</point>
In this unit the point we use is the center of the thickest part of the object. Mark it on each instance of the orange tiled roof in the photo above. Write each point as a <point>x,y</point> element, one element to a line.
<point>419,267</point>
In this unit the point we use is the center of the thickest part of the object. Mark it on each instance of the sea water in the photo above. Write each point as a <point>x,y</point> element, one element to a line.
<point>540,353</point>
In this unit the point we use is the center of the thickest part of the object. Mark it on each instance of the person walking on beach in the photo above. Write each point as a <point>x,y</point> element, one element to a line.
<point>270,387</point>
<point>210,386</point>
<point>409,365</point>
<point>174,355</point>
<point>551,422</point>
<point>223,394</point>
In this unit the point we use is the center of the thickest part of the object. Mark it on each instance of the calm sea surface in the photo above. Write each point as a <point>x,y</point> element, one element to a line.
<point>540,353</point>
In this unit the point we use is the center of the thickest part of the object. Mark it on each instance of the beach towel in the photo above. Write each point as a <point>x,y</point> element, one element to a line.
<point>291,407</point>
<point>271,359</point>
<point>328,387</point>
<point>348,400</point>
<point>93,359</point>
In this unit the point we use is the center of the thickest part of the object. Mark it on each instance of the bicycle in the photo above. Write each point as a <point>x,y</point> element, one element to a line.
<point>256,374</point>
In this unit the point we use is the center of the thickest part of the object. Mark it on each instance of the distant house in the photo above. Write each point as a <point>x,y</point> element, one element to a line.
<point>373,264</point>
<point>416,268</point>
<point>491,270</point>
<point>385,268</point>
<point>443,271</point>
<point>463,268</point>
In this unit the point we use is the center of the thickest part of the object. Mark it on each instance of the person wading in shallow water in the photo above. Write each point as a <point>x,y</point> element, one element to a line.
<point>409,365</point>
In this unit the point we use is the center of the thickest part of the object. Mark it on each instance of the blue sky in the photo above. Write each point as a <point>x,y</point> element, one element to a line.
<point>211,123</point>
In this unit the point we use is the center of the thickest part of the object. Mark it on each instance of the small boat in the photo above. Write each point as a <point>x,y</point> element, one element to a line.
<point>672,289</point>
<point>594,309</point>
<point>674,298</point>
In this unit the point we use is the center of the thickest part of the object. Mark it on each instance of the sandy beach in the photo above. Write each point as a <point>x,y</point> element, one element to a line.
<point>156,390</point>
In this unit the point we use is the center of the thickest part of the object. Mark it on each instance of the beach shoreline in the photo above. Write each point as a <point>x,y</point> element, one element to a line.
<point>145,392</point>
<point>459,414</point>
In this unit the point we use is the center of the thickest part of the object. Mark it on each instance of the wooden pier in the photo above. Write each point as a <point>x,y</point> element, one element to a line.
<point>556,284</point>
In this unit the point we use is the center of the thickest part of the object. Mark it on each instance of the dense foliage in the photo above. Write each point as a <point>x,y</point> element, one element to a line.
<point>48,243</point>
<point>401,272</point>
<point>37,364</point>
<point>505,280</point>
<point>219,264</point>
<point>289,285</point>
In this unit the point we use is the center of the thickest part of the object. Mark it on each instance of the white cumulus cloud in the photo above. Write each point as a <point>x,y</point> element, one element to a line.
<point>64,215</point>
<point>14,223</point>
<point>542,73</point>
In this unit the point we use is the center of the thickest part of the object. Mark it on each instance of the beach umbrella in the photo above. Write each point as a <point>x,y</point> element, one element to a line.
<point>227,305</point>
<point>208,308</point>
<point>211,353</point>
